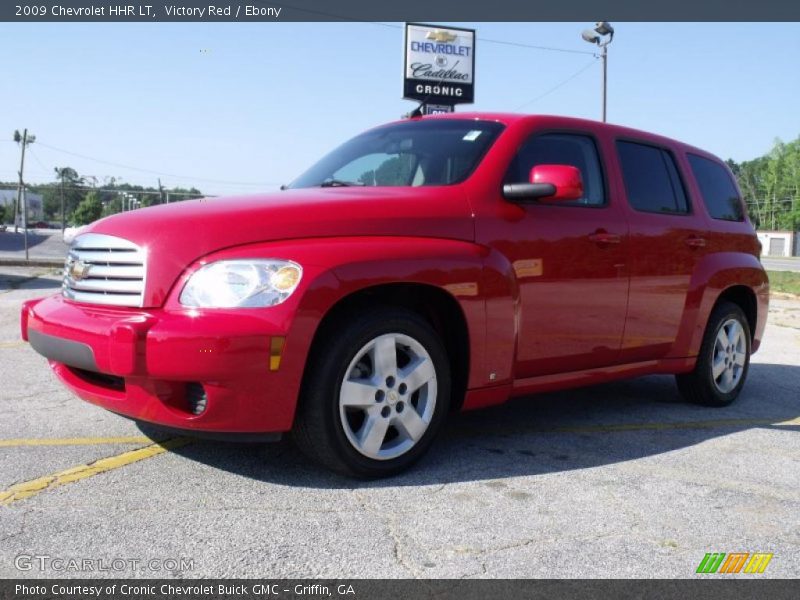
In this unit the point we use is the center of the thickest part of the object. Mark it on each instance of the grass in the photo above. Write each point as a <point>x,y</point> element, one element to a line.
<point>784,281</point>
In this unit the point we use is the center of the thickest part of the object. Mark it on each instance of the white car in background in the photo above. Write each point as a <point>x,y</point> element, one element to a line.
<point>71,232</point>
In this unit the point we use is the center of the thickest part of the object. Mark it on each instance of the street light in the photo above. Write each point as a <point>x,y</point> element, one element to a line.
<point>602,34</point>
<point>23,139</point>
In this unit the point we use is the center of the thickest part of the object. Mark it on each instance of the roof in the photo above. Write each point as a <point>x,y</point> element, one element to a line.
<point>619,130</point>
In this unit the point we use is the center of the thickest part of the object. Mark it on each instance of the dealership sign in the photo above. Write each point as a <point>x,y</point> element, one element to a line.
<point>439,64</point>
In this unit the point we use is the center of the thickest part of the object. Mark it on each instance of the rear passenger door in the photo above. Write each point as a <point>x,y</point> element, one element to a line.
<point>667,239</point>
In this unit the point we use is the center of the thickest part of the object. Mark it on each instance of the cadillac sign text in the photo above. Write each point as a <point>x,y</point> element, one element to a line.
<point>439,64</point>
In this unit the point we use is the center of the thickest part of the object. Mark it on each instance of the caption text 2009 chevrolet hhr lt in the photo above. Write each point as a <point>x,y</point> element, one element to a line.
<point>425,266</point>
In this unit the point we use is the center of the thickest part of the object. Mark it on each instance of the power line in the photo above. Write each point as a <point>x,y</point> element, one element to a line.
<point>554,88</point>
<point>34,186</point>
<point>521,45</point>
<point>131,192</point>
<point>500,42</point>
<point>152,172</point>
<point>36,158</point>
<point>393,26</point>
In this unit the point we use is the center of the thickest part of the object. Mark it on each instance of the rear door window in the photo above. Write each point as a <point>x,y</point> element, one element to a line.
<point>652,181</point>
<point>716,186</point>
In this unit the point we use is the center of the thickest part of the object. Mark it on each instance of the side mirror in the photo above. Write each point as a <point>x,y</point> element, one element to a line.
<point>548,183</point>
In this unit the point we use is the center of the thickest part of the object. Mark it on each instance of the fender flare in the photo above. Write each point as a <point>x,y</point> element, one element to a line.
<point>480,280</point>
<point>713,275</point>
<point>476,278</point>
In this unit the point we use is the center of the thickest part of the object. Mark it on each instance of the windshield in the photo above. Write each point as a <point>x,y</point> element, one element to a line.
<point>412,153</point>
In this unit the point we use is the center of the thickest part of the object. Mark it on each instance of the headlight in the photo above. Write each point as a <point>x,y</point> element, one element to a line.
<point>241,283</point>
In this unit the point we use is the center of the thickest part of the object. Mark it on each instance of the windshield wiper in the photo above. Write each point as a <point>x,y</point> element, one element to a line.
<point>340,183</point>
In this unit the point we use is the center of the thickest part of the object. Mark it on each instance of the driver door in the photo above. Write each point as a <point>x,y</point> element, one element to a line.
<point>570,260</point>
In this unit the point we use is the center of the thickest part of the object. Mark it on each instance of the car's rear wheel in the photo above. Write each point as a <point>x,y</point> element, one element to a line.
<point>376,392</point>
<point>724,359</point>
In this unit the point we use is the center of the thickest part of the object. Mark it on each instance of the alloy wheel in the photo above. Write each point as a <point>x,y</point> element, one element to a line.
<point>729,356</point>
<point>388,396</point>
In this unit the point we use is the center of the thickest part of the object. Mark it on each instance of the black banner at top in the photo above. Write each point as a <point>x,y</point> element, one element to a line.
<point>449,11</point>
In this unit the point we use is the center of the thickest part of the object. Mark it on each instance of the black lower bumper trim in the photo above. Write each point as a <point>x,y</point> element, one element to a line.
<point>220,436</point>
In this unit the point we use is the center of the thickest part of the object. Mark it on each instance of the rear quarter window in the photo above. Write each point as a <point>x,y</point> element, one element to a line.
<point>652,182</point>
<point>717,189</point>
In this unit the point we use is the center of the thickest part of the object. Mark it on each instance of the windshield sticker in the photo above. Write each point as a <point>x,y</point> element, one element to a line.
<point>472,135</point>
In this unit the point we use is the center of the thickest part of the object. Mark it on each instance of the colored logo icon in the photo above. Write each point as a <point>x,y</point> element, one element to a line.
<point>736,562</point>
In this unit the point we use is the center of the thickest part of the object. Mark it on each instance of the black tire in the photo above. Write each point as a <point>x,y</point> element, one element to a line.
<point>319,431</point>
<point>699,386</point>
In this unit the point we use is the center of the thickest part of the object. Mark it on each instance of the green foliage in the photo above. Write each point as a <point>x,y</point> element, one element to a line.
<point>113,206</point>
<point>76,189</point>
<point>771,186</point>
<point>2,213</point>
<point>51,194</point>
<point>89,210</point>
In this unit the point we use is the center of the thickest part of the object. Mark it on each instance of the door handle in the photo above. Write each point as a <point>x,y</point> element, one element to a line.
<point>694,241</point>
<point>603,237</point>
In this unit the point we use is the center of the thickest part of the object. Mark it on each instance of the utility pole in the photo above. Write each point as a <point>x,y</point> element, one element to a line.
<point>161,192</point>
<point>23,139</point>
<point>25,218</point>
<point>605,79</point>
<point>60,172</point>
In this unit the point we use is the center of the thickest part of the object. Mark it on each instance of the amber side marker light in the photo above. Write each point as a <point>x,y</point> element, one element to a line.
<point>275,351</point>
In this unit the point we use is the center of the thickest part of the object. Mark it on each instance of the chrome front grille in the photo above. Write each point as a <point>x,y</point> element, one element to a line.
<point>103,269</point>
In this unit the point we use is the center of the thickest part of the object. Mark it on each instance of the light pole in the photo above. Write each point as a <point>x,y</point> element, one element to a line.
<point>24,139</point>
<point>602,34</point>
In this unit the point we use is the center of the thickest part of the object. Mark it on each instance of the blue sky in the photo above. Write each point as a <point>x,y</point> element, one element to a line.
<point>238,107</point>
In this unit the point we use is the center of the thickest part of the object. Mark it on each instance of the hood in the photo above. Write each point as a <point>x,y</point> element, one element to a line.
<point>177,234</point>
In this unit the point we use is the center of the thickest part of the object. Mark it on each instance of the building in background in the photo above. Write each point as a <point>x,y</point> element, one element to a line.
<point>35,205</point>
<point>777,243</point>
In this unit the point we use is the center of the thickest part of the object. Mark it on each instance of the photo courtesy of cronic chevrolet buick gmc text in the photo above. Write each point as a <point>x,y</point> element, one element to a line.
<point>430,265</point>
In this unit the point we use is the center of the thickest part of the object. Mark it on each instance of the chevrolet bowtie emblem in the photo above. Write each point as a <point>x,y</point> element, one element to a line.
<point>441,36</point>
<point>78,270</point>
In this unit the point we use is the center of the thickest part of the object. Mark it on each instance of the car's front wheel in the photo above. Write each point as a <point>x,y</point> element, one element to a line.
<point>724,359</point>
<point>376,392</point>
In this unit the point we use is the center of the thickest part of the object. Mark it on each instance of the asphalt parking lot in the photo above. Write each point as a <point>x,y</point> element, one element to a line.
<point>621,480</point>
<point>43,244</point>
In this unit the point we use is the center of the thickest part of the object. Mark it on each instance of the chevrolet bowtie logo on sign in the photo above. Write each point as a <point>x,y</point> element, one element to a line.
<point>439,64</point>
<point>440,35</point>
<point>78,270</point>
<point>736,562</point>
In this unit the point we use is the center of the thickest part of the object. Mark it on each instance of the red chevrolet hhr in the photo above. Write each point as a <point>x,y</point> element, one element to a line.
<point>430,265</point>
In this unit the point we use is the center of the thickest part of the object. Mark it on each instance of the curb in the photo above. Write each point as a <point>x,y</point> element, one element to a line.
<point>31,262</point>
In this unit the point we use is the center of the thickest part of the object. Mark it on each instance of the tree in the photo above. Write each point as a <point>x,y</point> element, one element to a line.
<point>51,194</point>
<point>771,186</point>
<point>113,206</point>
<point>89,210</point>
<point>2,214</point>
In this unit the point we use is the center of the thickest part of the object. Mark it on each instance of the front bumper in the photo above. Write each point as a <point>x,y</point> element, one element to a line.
<point>147,364</point>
